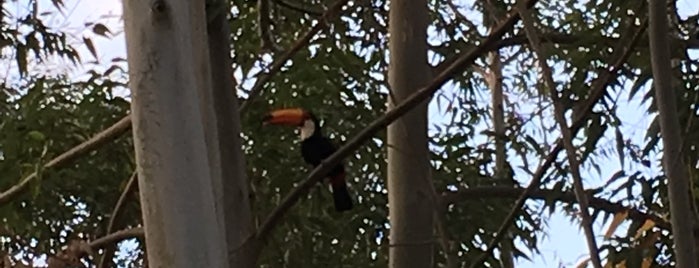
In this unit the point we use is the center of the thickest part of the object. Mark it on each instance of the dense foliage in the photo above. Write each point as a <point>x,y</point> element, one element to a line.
<point>341,76</point>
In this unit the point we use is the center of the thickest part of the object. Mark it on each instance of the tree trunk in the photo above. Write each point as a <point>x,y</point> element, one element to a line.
<point>493,77</point>
<point>232,199</point>
<point>409,198</point>
<point>168,62</point>
<point>681,214</point>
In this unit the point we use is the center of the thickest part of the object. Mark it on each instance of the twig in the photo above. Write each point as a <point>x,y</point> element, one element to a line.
<point>416,98</point>
<point>297,8</point>
<point>460,17</point>
<point>486,192</point>
<point>107,135</point>
<point>567,137</point>
<point>450,255</point>
<point>623,51</point>
<point>277,65</point>
<point>116,237</point>
<point>131,186</point>
<point>264,26</point>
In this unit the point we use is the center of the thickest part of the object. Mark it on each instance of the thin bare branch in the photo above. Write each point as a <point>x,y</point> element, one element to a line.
<point>116,237</point>
<point>580,40</point>
<point>567,137</point>
<point>598,88</point>
<point>277,65</point>
<point>130,187</point>
<point>113,132</point>
<point>264,26</point>
<point>445,239</point>
<point>492,192</point>
<point>297,7</point>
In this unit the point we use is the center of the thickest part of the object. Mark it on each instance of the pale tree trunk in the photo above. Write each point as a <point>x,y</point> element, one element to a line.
<point>681,214</point>
<point>409,197</point>
<point>232,200</point>
<point>168,62</point>
<point>494,80</point>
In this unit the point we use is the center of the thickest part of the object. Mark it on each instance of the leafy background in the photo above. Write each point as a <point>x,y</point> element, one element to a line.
<point>61,87</point>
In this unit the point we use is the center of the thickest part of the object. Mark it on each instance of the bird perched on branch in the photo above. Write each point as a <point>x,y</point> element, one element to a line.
<point>314,148</point>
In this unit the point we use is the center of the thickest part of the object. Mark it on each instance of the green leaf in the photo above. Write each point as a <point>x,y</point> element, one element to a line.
<point>90,46</point>
<point>101,29</point>
<point>36,135</point>
<point>619,174</point>
<point>620,144</point>
<point>21,58</point>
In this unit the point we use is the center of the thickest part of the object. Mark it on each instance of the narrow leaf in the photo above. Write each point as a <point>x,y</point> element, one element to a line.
<point>646,226</point>
<point>618,219</point>
<point>21,57</point>
<point>620,146</point>
<point>619,174</point>
<point>90,46</point>
<point>100,29</point>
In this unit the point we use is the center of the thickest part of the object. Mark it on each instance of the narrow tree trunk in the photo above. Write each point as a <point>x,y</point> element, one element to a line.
<point>409,199</point>
<point>168,62</point>
<point>494,81</point>
<point>673,161</point>
<point>233,196</point>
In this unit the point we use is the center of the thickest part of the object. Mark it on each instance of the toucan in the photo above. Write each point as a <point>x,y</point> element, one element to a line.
<point>314,148</point>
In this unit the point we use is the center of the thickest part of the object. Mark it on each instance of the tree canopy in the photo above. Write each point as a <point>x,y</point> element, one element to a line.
<point>58,203</point>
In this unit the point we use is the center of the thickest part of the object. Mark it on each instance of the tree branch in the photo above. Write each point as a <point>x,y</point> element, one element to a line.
<point>130,187</point>
<point>565,39</point>
<point>598,88</point>
<point>116,237</point>
<point>107,135</point>
<point>277,65</point>
<point>463,195</point>
<point>567,137</point>
<point>416,98</point>
<point>558,38</point>
<point>445,239</point>
<point>264,26</point>
<point>297,8</point>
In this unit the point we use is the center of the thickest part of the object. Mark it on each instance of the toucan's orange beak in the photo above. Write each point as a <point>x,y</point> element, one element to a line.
<point>289,117</point>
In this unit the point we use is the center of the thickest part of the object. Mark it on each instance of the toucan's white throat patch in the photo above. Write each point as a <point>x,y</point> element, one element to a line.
<point>307,129</point>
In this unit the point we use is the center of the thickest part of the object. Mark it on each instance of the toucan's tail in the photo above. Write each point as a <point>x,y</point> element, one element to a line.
<point>341,196</point>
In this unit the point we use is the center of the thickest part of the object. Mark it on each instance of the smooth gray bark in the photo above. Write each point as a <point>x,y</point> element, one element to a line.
<point>168,62</point>
<point>682,216</point>
<point>232,199</point>
<point>410,202</point>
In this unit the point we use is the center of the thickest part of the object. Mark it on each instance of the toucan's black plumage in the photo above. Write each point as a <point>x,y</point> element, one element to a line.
<point>314,148</point>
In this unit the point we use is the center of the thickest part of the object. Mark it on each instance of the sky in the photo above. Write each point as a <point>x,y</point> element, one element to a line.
<point>563,246</point>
